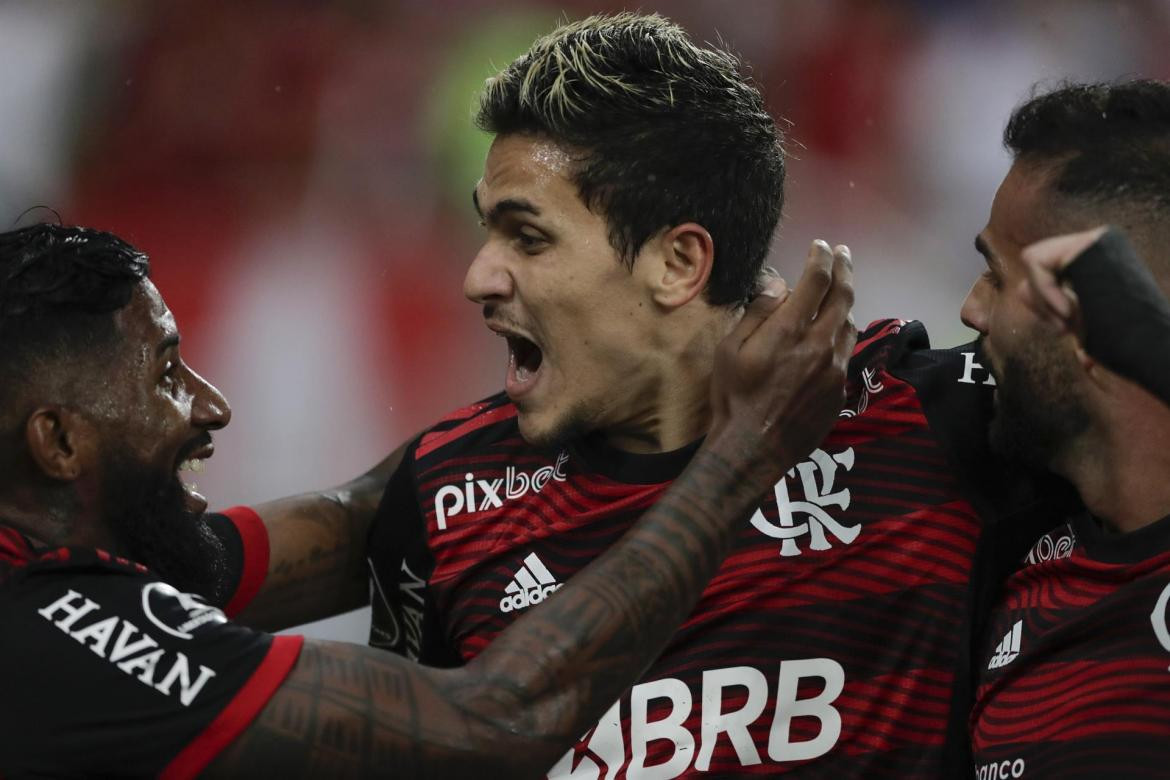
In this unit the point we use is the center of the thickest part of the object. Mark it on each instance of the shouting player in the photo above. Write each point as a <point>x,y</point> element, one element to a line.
<point>112,670</point>
<point>1076,665</point>
<point>629,200</point>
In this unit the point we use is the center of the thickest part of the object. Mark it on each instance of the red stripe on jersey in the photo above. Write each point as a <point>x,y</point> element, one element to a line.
<point>432,441</point>
<point>240,711</point>
<point>465,413</point>
<point>13,549</point>
<point>254,537</point>
<point>891,327</point>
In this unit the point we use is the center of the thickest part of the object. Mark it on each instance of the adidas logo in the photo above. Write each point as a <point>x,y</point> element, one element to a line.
<point>1008,648</point>
<point>531,584</point>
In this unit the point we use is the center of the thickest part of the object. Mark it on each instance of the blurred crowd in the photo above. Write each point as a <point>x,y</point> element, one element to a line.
<point>301,174</point>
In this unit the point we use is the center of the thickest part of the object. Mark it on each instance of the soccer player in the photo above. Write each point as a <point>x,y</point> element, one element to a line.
<point>629,200</point>
<point>1075,667</point>
<point>112,670</point>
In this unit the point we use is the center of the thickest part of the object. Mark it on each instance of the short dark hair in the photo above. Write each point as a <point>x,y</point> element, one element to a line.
<point>668,131</point>
<point>59,289</point>
<point>1112,141</point>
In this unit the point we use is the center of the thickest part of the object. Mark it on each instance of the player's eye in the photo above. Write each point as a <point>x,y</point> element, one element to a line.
<point>170,370</point>
<point>529,241</point>
<point>992,278</point>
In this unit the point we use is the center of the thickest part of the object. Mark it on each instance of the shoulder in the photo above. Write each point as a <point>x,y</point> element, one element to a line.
<point>481,424</point>
<point>112,657</point>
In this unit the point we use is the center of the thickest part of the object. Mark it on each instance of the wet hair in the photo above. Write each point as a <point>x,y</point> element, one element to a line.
<point>59,289</point>
<point>662,132</point>
<point>1109,144</point>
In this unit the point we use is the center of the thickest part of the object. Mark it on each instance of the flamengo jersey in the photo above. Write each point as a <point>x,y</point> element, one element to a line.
<point>1076,664</point>
<point>109,671</point>
<point>828,641</point>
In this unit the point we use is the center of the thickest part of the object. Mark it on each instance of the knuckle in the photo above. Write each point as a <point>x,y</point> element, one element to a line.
<point>822,273</point>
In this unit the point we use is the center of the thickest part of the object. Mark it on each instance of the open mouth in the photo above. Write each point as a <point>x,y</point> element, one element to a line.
<point>524,358</point>
<point>524,361</point>
<point>189,465</point>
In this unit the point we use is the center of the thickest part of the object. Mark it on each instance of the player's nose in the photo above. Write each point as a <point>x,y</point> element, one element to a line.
<point>974,311</point>
<point>488,278</point>
<point>210,410</point>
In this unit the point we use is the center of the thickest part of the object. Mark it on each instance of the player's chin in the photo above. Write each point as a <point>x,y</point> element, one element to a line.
<point>544,428</point>
<point>534,426</point>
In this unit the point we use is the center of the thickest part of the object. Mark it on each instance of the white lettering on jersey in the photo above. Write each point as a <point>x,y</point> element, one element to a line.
<point>643,732</point>
<point>870,387</point>
<point>1052,547</point>
<point>603,748</point>
<point>479,495</point>
<point>818,494</point>
<point>780,744</point>
<point>969,367</point>
<point>1000,770</point>
<point>127,653</point>
<point>735,722</point>
<point>600,752</point>
<point>1158,619</point>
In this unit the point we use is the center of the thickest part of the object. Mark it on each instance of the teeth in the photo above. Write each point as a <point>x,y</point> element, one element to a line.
<point>195,465</point>
<point>522,373</point>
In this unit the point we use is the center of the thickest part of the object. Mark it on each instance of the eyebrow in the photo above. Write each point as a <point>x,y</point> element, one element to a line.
<point>505,206</point>
<point>169,341</point>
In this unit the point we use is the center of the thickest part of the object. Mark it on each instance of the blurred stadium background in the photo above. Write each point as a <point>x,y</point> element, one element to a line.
<point>300,173</point>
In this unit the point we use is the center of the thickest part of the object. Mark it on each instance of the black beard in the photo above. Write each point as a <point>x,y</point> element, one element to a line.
<point>148,517</point>
<point>1039,409</point>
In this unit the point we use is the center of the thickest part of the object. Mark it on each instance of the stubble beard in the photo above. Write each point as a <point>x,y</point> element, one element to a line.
<point>568,427</point>
<point>1039,409</point>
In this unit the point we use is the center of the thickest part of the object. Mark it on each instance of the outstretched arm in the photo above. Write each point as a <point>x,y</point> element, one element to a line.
<point>518,706</point>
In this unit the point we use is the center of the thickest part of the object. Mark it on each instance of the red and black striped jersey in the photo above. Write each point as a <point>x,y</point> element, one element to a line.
<point>1075,668</point>
<point>111,672</point>
<point>834,637</point>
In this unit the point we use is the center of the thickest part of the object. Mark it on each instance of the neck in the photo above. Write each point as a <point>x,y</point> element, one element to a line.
<point>673,403</point>
<point>1122,469</point>
<point>55,521</point>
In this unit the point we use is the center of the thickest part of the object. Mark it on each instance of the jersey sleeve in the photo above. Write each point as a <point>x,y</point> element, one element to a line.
<point>1126,316</point>
<point>114,673</point>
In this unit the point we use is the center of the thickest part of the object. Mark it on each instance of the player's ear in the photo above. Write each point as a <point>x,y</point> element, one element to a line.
<point>685,254</point>
<point>61,442</point>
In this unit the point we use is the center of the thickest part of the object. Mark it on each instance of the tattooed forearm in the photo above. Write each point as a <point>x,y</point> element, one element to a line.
<point>318,551</point>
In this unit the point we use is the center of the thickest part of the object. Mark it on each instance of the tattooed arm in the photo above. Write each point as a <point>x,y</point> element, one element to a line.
<point>518,706</point>
<point>317,551</point>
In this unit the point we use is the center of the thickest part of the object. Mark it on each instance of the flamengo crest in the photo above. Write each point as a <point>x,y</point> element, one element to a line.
<point>818,476</point>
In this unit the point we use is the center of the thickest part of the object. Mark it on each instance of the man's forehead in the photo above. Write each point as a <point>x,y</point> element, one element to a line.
<point>1026,208</point>
<point>146,322</point>
<point>523,165</point>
